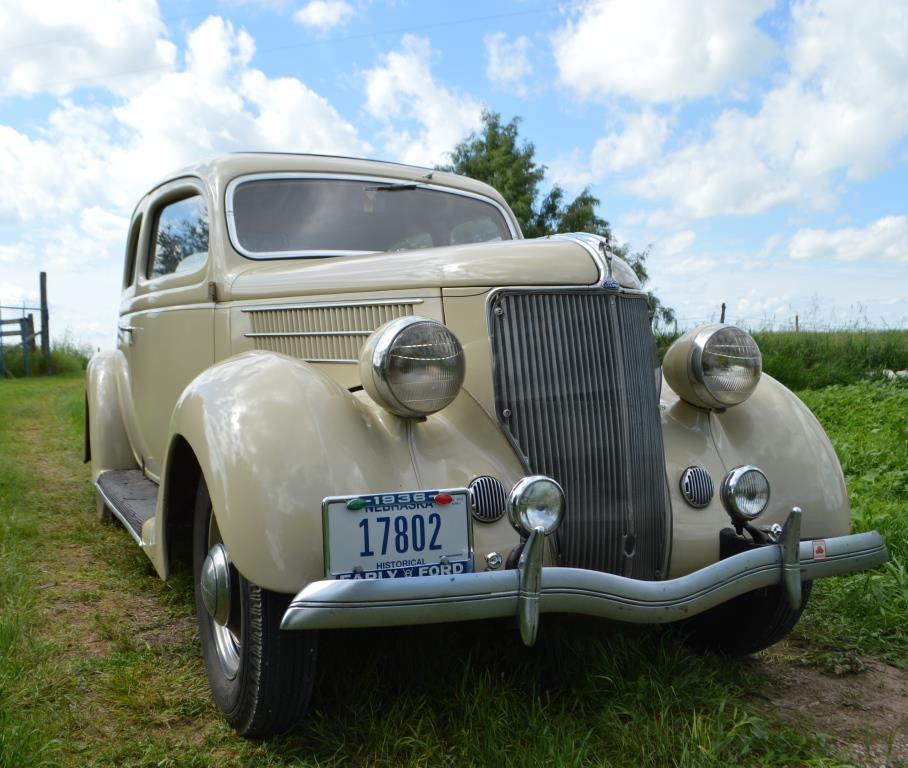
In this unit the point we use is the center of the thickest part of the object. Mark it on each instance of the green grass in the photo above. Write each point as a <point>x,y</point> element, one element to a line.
<point>868,424</point>
<point>812,359</point>
<point>66,357</point>
<point>99,663</point>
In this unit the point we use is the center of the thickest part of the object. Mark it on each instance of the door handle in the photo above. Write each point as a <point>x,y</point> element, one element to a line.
<point>126,332</point>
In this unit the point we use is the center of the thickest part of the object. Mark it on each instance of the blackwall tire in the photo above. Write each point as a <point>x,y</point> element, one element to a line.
<point>265,688</point>
<point>746,624</point>
<point>101,508</point>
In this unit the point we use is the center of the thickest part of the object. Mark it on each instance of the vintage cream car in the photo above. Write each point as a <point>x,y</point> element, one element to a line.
<point>351,395</point>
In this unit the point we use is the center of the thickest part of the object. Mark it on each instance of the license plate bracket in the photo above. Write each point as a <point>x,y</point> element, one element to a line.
<point>398,534</point>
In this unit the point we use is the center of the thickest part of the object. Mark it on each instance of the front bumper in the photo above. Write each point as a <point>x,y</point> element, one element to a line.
<point>532,589</point>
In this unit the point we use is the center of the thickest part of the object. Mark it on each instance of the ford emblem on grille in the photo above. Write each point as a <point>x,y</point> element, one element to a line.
<point>611,283</point>
<point>696,487</point>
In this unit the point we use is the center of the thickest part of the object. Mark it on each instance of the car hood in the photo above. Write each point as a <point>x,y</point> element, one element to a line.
<point>513,262</point>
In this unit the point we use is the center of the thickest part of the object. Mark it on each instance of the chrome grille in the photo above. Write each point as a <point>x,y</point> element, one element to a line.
<point>574,390</point>
<point>321,333</point>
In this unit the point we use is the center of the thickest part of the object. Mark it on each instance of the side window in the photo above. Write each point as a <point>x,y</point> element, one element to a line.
<point>132,251</point>
<point>181,237</point>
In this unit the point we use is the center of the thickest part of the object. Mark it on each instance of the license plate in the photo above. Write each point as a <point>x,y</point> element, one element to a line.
<point>398,535</point>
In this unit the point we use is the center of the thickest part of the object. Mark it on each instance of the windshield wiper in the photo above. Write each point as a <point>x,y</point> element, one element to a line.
<point>391,187</point>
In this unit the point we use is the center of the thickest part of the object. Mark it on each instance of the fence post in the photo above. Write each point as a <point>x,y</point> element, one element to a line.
<point>722,319</point>
<point>45,320</point>
<point>23,332</point>
<point>2,350</point>
<point>31,331</point>
<point>797,324</point>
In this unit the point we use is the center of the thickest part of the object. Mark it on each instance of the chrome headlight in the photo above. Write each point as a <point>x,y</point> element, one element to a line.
<point>536,502</point>
<point>745,493</point>
<point>412,366</point>
<point>714,366</point>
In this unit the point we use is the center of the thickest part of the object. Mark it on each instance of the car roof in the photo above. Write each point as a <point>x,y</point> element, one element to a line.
<point>220,171</point>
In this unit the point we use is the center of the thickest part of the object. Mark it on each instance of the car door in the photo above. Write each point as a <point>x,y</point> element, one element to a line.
<point>167,324</point>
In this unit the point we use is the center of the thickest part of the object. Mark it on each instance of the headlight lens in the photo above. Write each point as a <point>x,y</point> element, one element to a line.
<point>729,364</point>
<point>714,366</point>
<point>412,366</point>
<point>536,502</point>
<point>745,493</point>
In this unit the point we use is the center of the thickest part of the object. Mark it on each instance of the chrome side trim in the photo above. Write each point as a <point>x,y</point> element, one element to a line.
<point>119,515</point>
<point>329,360</point>
<point>261,256</point>
<point>332,305</point>
<point>266,334</point>
<point>492,594</point>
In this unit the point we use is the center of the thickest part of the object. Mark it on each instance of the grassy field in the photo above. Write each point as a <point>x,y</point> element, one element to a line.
<point>99,663</point>
<point>811,359</point>
<point>66,357</point>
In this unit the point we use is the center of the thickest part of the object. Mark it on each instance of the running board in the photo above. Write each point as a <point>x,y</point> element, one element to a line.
<point>131,496</point>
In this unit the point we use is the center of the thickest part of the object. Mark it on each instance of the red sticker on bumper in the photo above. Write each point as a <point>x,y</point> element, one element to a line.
<point>819,549</point>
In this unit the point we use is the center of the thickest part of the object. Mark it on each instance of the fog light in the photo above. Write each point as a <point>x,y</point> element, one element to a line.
<point>745,493</point>
<point>536,502</point>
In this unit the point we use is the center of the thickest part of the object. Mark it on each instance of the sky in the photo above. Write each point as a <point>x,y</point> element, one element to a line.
<point>759,149</point>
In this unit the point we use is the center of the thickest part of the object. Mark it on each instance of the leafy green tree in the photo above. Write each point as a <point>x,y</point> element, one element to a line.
<point>496,156</point>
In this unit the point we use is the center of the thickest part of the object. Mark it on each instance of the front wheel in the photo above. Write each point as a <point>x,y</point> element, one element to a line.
<point>746,624</point>
<point>261,678</point>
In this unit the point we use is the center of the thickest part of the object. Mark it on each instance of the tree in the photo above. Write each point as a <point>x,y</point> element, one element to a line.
<point>494,155</point>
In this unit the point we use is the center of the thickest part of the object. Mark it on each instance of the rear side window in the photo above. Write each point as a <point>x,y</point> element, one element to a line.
<point>181,237</point>
<point>132,249</point>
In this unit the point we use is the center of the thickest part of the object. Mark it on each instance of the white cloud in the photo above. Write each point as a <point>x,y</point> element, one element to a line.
<point>11,293</point>
<point>640,141</point>
<point>323,15</point>
<point>52,174</point>
<point>218,103</point>
<point>67,187</point>
<point>692,265</point>
<point>292,115</point>
<point>508,63</point>
<point>58,45</point>
<point>661,50</point>
<point>884,240</point>
<point>103,226</point>
<point>422,119</point>
<point>678,243</point>
<point>842,105</point>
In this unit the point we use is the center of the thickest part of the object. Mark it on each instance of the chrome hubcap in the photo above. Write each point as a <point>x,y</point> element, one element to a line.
<point>222,602</point>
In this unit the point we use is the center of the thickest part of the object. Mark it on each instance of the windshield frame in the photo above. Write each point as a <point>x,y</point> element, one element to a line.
<point>419,183</point>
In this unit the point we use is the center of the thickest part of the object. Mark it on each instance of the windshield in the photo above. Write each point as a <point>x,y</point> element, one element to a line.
<point>321,216</point>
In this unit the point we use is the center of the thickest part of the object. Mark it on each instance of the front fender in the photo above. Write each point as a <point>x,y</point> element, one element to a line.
<point>772,430</point>
<point>776,431</point>
<point>274,436</point>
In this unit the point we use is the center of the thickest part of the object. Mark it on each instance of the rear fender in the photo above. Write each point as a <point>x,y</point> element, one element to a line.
<point>273,436</point>
<point>108,445</point>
